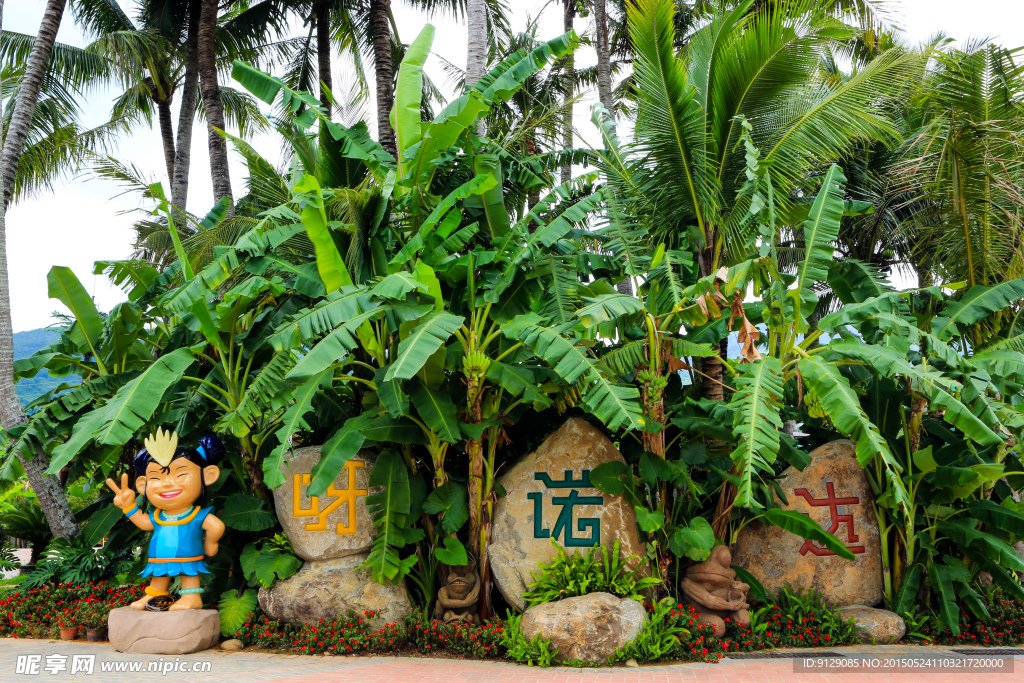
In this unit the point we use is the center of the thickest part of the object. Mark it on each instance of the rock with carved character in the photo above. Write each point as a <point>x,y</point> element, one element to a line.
<point>835,492</point>
<point>549,495</point>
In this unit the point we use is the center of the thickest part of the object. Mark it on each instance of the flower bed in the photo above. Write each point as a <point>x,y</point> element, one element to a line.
<point>1004,627</point>
<point>673,633</point>
<point>353,634</point>
<point>38,612</point>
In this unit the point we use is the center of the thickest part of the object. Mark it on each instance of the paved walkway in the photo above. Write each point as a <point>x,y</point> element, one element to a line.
<point>242,667</point>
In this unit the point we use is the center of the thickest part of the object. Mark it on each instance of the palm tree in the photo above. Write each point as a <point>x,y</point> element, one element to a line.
<point>967,157</point>
<point>155,59</point>
<point>48,490</point>
<point>745,68</point>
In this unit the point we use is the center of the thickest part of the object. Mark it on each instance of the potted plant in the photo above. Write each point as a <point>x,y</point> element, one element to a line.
<point>95,623</point>
<point>67,622</point>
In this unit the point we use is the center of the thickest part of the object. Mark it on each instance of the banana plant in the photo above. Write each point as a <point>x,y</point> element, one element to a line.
<point>912,358</point>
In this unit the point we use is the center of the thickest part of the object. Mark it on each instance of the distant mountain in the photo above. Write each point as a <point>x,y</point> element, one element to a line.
<point>25,344</point>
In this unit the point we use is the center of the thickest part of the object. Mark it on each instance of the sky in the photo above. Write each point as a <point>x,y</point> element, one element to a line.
<point>84,220</point>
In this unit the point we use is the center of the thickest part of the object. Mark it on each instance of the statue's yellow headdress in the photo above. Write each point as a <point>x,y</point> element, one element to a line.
<point>162,446</point>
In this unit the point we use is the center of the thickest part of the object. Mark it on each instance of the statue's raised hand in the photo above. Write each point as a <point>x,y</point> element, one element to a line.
<point>124,496</point>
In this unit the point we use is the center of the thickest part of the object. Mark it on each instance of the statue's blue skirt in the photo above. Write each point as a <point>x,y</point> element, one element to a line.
<point>193,568</point>
<point>177,546</point>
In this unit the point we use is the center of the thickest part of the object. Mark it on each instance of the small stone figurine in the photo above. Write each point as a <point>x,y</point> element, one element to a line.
<point>457,599</point>
<point>172,479</point>
<point>712,587</point>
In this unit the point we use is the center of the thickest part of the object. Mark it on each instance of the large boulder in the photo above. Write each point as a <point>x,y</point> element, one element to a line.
<point>335,524</point>
<point>548,494</point>
<point>590,627</point>
<point>177,632</point>
<point>328,589</point>
<point>835,492</point>
<point>875,626</point>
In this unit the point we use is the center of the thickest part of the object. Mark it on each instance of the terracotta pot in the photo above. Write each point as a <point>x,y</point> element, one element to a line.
<point>69,633</point>
<point>95,635</point>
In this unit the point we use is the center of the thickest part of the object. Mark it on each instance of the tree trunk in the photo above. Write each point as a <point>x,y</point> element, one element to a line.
<point>219,169</point>
<point>187,112</point>
<point>476,50</point>
<point>476,53</point>
<point>381,28</point>
<point>568,14</point>
<point>323,52</point>
<point>48,490</point>
<point>28,96</point>
<point>713,370</point>
<point>604,61</point>
<point>163,109</point>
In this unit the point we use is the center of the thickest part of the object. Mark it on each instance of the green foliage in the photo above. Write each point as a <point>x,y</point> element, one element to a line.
<point>536,652</point>
<point>235,606</point>
<point>390,512</point>
<point>74,561</point>
<point>246,513</point>
<point>597,571</point>
<point>264,563</point>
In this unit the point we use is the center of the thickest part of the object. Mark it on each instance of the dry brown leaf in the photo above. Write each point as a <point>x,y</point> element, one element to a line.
<point>672,363</point>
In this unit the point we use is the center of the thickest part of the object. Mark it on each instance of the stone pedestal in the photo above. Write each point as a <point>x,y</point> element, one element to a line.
<point>179,632</point>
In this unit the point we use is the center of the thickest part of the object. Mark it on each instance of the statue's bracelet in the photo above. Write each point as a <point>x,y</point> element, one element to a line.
<point>132,511</point>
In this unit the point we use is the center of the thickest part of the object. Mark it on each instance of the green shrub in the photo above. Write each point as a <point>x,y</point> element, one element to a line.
<point>569,576</point>
<point>24,519</point>
<point>72,560</point>
<point>537,652</point>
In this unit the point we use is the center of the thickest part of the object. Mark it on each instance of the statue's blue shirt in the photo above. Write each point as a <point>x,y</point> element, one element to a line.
<point>177,544</point>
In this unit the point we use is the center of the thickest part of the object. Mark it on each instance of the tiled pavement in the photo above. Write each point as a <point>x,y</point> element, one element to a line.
<point>242,667</point>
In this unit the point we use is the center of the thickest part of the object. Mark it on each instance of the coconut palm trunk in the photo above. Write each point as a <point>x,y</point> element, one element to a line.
<point>163,108</point>
<point>219,169</point>
<point>323,52</point>
<point>28,96</point>
<point>476,49</point>
<point>476,53</point>
<point>48,490</point>
<point>385,73</point>
<point>568,14</point>
<point>604,58</point>
<point>187,111</point>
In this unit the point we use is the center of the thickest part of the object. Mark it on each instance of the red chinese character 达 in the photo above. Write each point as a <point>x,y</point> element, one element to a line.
<point>832,502</point>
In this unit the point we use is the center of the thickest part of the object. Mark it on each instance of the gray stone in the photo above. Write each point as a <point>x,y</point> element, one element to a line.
<point>177,632</point>
<point>519,542</point>
<point>328,589</point>
<point>589,628</point>
<point>337,523</point>
<point>777,557</point>
<point>233,645</point>
<point>875,625</point>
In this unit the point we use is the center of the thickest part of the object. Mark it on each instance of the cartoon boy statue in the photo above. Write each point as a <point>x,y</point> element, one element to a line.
<point>172,479</point>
